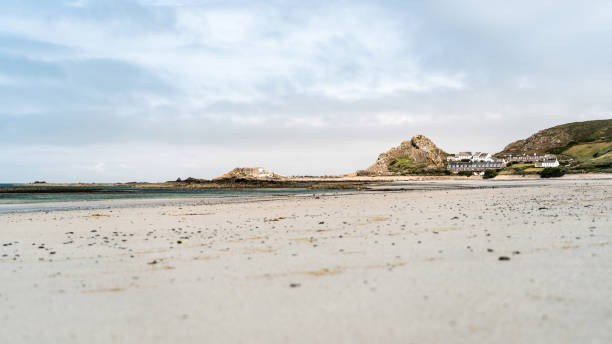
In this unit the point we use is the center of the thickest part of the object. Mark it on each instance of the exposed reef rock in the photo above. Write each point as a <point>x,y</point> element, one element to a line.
<point>258,173</point>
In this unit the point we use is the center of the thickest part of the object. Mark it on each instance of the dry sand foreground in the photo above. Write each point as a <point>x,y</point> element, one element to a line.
<point>388,267</point>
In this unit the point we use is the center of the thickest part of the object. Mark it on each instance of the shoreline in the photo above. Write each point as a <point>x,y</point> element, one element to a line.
<point>407,185</point>
<point>319,182</point>
<point>36,207</point>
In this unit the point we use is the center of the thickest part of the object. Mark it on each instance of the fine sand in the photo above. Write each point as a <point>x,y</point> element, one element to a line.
<point>522,262</point>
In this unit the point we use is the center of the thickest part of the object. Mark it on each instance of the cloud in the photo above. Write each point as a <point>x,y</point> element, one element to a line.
<point>235,74</point>
<point>76,3</point>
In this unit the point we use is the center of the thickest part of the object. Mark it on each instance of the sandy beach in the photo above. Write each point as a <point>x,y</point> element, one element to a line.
<point>487,262</point>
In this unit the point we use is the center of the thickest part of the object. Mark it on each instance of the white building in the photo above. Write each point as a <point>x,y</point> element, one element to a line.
<point>482,157</point>
<point>262,173</point>
<point>548,163</point>
<point>464,155</point>
<point>476,156</point>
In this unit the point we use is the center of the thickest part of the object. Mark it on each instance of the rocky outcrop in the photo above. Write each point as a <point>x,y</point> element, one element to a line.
<point>256,173</point>
<point>541,142</point>
<point>420,151</point>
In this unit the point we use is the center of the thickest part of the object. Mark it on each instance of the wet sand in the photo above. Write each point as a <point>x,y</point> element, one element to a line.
<point>522,262</point>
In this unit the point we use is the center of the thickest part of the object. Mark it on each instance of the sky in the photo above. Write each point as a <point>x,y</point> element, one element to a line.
<point>152,90</point>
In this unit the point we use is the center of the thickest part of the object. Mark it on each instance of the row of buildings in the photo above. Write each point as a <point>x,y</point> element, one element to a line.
<point>529,157</point>
<point>477,156</point>
<point>474,166</point>
<point>479,162</point>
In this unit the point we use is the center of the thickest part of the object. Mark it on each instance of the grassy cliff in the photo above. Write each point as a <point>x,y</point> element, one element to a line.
<point>582,145</point>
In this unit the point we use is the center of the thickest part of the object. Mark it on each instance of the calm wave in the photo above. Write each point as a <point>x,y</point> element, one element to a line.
<point>25,198</point>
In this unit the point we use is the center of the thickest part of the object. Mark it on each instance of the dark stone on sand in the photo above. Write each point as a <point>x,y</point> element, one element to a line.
<point>294,285</point>
<point>489,250</point>
<point>179,242</point>
<point>504,258</point>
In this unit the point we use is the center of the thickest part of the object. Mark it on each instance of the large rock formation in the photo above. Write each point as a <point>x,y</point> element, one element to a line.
<point>258,173</point>
<point>418,154</point>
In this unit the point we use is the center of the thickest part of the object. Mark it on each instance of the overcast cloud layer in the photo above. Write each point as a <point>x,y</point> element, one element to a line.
<point>152,90</point>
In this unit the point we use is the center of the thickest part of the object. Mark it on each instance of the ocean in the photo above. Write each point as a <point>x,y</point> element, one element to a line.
<point>21,198</point>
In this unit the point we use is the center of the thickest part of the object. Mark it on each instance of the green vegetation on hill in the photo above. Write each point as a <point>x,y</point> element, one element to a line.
<point>490,174</point>
<point>403,164</point>
<point>552,172</point>
<point>588,151</point>
<point>520,169</point>
<point>590,154</point>
<point>465,173</point>
<point>589,157</point>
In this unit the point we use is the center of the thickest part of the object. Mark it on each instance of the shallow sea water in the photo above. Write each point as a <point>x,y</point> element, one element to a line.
<point>88,197</point>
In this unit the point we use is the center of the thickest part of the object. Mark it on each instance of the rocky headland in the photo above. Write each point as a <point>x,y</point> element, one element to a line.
<point>418,155</point>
